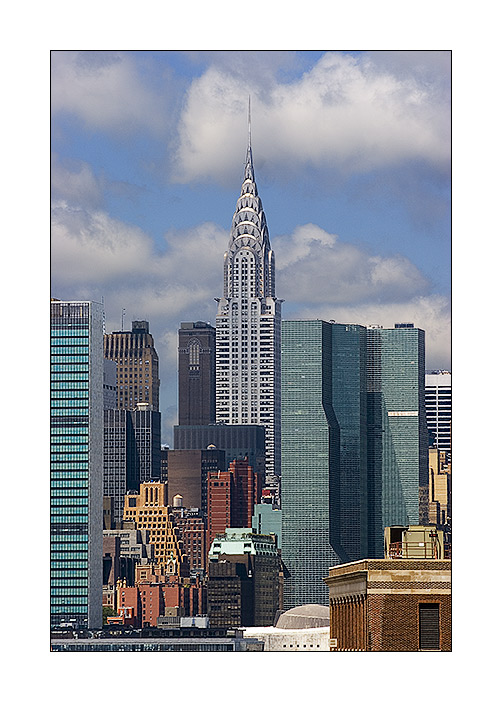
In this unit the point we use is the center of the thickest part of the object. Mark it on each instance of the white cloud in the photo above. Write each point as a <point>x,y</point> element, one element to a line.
<point>106,90</point>
<point>317,266</point>
<point>351,113</point>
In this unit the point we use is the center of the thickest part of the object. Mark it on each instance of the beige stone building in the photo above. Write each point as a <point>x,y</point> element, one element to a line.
<point>149,510</point>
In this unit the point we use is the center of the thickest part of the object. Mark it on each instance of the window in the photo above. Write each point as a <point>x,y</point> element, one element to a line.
<point>428,622</point>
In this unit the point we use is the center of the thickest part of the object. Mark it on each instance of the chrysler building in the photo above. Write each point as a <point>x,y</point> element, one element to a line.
<point>248,326</point>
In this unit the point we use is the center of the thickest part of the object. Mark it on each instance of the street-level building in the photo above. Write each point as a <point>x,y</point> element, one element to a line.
<point>390,605</point>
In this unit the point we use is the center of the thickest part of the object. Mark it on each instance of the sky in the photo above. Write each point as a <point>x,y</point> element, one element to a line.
<point>352,161</point>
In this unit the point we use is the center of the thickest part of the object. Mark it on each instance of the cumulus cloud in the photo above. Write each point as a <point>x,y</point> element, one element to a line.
<point>352,113</point>
<point>317,266</point>
<point>106,90</point>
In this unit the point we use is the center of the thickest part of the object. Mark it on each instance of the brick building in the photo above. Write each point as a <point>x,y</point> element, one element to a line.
<point>390,605</point>
<point>232,496</point>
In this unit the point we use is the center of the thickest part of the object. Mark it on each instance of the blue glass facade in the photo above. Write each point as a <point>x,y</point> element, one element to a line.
<point>76,462</point>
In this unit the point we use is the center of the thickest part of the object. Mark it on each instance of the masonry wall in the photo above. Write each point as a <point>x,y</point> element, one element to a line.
<point>393,621</point>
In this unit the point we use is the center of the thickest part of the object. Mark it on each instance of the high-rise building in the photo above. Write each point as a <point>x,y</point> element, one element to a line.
<point>438,408</point>
<point>248,326</point>
<point>238,441</point>
<point>146,425</point>
<point>232,496</point>
<point>137,366</point>
<point>354,456</point>
<point>131,452</point>
<point>398,490</point>
<point>324,466</point>
<point>196,373</point>
<point>76,463</point>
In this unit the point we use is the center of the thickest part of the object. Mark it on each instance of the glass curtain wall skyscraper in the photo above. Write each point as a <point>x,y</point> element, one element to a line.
<point>76,463</point>
<point>324,480</point>
<point>397,430</point>
<point>248,326</point>
<point>354,454</point>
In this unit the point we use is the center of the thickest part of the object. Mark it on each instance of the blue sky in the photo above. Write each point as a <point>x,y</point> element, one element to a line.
<point>352,161</point>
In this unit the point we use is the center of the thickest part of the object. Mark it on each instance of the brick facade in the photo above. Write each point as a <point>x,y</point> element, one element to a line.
<point>375,604</point>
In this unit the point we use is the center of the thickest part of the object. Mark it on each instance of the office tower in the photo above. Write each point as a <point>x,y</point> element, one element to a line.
<point>146,425</point>
<point>243,585</point>
<point>131,452</point>
<point>231,497</point>
<point>137,366</point>
<point>248,326</point>
<point>196,373</point>
<point>76,463</point>
<point>149,511</point>
<point>397,431</point>
<point>187,472</point>
<point>324,461</point>
<point>438,408</point>
<point>238,442</point>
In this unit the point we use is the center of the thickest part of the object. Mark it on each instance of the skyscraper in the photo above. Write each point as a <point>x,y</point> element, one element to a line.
<point>354,455</point>
<point>438,408</point>
<point>324,466</point>
<point>196,373</point>
<point>76,463</point>
<point>137,366</point>
<point>397,431</point>
<point>248,326</point>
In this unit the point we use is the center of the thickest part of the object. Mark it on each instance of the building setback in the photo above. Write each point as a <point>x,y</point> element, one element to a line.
<point>76,463</point>
<point>196,374</point>
<point>232,496</point>
<point>137,366</point>
<point>248,326</point>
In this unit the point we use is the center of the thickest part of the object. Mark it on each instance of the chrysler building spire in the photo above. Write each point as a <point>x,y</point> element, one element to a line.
<point>248,324</point>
